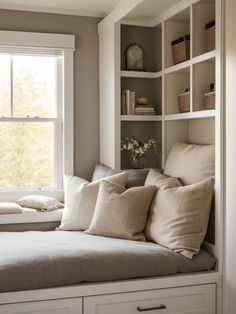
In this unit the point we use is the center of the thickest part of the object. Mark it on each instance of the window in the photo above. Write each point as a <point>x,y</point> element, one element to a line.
<point>35,111</point>
<point>30,110</point>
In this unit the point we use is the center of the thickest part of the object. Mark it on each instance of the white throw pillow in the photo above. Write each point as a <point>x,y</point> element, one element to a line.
<point>10,208</point>
<point>80,200</point>
<point>40,202</point>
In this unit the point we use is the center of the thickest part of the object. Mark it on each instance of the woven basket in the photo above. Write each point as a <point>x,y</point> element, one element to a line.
<point>181,49</point>
<point>210,99</point>
<point>184,102</point>
<point>210,38</point>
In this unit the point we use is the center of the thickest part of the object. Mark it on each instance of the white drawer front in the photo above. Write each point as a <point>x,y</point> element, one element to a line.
<point>195,300</point>
<point>67,306</point>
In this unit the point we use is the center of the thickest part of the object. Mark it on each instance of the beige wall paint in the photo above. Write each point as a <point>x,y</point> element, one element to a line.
<point>86,111</point>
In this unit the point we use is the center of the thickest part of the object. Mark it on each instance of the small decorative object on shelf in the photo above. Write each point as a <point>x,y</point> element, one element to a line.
<point>184,100</point>
<point>210,36</point>
<point>138,150</point>
<point>143,107</point>
<point>210,98</point>
<point>142,101</point>
<point>181,49</point>
<point>134,58</point>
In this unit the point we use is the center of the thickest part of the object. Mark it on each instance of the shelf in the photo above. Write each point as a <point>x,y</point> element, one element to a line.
<point>179,116</point>
<point>178,67</point>
<point>204,57</point>
<point>141,118</point>
<point>139,74</point>
<point>183,66</point>
<point>191,115</point>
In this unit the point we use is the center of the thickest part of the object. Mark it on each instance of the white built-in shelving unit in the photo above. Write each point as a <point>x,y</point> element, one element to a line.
<point>162,81</point>
<point>153,25</point>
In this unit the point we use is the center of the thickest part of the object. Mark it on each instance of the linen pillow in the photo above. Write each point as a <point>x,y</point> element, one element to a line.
<point>121,213</point>
<point>179,216</point>
<point>101,171</point>
<point>158,179</point>
<point>191,163</point>
<point>80,200</point>
<point>40,202</point>
<point>136,177</point>
<point>10,208</point>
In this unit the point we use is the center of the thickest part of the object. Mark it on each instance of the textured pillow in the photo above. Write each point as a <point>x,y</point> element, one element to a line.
<point>102,171</point>
<point>179,216</point>
<point>156,178</point>
<point>190,163</point>
<point>40,202</point>
<point>121,213</point>
<point>10,208</point>
<point>136,177</point>
<point>80,201</point>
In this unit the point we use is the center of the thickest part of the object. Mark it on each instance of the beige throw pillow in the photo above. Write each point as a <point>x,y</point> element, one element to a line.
<point>179,216</point>
<point>80,200</point>
<point>121,213</point>
<point>40,202</point>
<point>156,178</point>
<point>191,163</point>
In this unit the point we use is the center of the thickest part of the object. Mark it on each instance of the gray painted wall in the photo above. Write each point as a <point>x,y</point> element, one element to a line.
<point>86,111</point>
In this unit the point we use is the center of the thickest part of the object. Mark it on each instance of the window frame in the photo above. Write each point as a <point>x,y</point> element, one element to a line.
<point>64,124</point>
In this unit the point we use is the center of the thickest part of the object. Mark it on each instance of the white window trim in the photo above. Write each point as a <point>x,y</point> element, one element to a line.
<point>66,44</point>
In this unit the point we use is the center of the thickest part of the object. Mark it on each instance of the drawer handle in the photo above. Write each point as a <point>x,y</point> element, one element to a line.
<point>161,307</point>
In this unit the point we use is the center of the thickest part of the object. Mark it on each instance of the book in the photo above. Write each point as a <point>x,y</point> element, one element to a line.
<point>123,103</point>
<point>145,110</point>
<point>127,102</point>
<point>132,103</point>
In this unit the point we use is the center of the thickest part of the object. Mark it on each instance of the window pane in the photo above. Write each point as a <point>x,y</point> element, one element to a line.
<point>26,154</point>
<point>5,85</point>
<point>34,86</point>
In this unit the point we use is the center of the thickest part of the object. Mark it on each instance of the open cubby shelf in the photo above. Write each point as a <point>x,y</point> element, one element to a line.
<point>162,80</point>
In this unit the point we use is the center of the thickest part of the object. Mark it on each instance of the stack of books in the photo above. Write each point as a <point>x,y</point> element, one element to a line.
<point>145,110</point>
<point>129,107</point>
<point>127,102</point>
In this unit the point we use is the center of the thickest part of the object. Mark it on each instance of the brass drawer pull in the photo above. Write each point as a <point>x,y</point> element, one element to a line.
<point>161,307</point>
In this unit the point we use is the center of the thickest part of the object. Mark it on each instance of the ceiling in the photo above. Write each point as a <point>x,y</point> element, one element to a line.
<point>96,8</point>
<point>149,9</point>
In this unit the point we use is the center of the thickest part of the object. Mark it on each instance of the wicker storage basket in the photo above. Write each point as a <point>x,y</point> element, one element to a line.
<point>181,49</point>
<point>184,102</point>
<point>210,36</point>
<point>210,99</point>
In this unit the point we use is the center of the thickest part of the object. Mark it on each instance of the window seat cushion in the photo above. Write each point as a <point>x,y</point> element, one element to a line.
<point>34,260</point>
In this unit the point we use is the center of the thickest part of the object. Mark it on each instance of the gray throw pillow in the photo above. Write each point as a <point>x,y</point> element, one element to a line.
<point>136,177</point>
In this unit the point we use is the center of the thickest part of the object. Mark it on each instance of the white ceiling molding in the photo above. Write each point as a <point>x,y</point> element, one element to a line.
<point>88,8</point>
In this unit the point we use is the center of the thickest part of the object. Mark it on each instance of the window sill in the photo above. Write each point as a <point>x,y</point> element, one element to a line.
<point>14,195</point>
<point>31,217</point>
